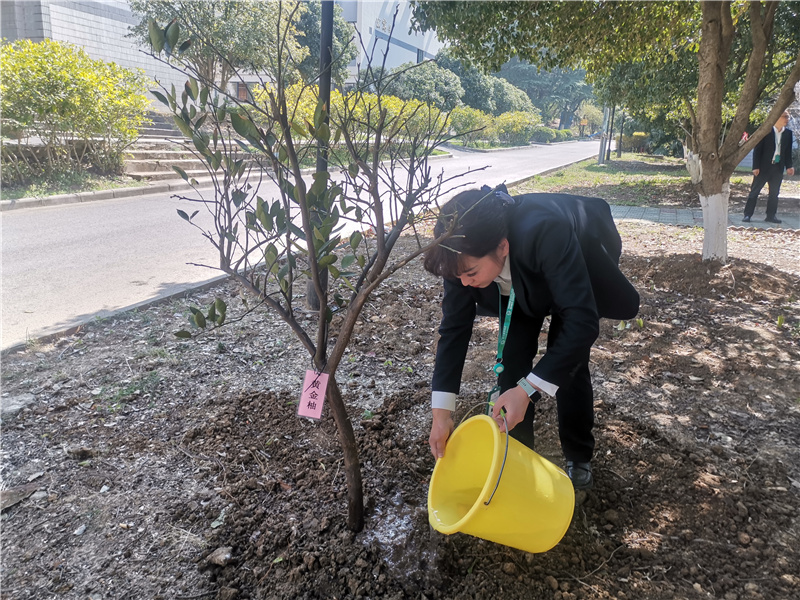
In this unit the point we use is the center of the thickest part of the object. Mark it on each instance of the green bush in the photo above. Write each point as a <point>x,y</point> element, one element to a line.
<point>67,111</point>
<point>543,135</point>
<point>562,135</point>
<point>471,124</point>
<point>517,127</point>
<point>638,142</point>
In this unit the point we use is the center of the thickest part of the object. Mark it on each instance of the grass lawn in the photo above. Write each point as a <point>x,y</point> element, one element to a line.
<point>640,180</point>
<point>68,183</point>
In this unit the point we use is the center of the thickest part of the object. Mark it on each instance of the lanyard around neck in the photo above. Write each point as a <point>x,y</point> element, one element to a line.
<point>503,334</point>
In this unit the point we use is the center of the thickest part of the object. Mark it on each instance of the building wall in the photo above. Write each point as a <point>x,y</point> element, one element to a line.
<point>373,20</point>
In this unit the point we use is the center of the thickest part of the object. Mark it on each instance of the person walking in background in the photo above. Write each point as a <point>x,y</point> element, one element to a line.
<point>771,156</point>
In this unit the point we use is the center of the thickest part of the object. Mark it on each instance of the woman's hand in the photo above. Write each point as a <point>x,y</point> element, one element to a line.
<point>515,401</point>
<point>441,428</point>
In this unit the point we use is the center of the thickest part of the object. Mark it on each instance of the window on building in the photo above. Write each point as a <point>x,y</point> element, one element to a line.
<point>242,93</point>
<point>420,56</point>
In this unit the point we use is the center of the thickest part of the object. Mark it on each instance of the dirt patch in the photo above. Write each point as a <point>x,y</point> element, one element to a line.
<point>159,468</point>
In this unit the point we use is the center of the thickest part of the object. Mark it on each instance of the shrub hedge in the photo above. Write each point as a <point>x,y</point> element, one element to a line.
<point>63,111</point>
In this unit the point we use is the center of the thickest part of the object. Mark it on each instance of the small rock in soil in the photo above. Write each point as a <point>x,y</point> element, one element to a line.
<point>79,452</point>
<point>227,593</point>
<point>220,556</point>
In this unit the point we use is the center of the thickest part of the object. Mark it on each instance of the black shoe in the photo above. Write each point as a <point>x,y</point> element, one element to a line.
<point>746,219</point>
<point>772,220</point>
<point>581,475</point>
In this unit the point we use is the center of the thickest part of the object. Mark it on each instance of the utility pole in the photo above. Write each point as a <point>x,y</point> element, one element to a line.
<point>601,157</point>
<point>325,60</point>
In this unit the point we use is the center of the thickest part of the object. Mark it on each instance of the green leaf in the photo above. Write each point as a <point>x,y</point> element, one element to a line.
<point>183,175</point>
<point>243,126</point>
<point>171,34</point>
<point>183,334</point>
<point>238,197</point>
<point>319,114</point>
<point>355,239</point>
<point>621,326</point>
<point>324,133</point>
<point>353,169</point>
<point>161,97</point>
<point>212,313</point>
<point>222,310</point>
<point>156,35</point>
<point>334,272</point>
<point>192,88</point>
<point>298,129</point>
<point>781,320</point>
<point>348,260</point>
<point>200,320</point>
<point>184,216</point>
<point>184,46</point>
<point>326,260</point>
<point>183,126</point>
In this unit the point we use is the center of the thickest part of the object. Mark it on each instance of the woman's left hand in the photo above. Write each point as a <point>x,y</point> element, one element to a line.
<point>515,401</point>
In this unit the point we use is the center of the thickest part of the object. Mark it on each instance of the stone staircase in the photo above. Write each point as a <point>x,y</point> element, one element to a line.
<point>152,157</point>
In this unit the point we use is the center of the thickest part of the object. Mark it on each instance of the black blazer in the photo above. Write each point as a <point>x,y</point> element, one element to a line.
<point>563,252</point>
<point>765,150</point>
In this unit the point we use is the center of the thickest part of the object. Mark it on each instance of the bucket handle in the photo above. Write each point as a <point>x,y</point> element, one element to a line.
<point>505,456</point>
<point>503,466</point>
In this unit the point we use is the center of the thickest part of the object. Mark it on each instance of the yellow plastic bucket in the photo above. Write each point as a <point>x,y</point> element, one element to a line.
<point>526,503</point>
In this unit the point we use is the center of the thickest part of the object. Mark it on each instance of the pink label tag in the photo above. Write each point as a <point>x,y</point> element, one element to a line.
<point>313,396</point>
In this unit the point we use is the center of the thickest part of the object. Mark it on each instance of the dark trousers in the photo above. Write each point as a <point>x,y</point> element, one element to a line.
<point>772,176</point>
<point>574,401</point>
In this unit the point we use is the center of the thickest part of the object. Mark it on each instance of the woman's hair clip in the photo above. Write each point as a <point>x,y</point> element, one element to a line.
<point>500,192</point>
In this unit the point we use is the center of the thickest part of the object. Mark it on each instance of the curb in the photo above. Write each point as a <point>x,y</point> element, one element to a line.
<point>160,187</point>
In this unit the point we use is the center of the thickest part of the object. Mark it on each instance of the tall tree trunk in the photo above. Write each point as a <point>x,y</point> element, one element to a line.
<point>352,466</point>
<point>715,224</point>
<point>715,45</point>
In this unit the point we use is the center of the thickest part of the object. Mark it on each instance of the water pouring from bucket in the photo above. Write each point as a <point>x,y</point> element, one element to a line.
<point>491,486</point>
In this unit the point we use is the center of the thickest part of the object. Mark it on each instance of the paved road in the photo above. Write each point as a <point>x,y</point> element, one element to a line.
<point>66,265</point>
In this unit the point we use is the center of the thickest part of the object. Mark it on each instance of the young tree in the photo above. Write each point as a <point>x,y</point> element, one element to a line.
<point>598,35</point>
<point>220,37</point>
<point>265,236</point>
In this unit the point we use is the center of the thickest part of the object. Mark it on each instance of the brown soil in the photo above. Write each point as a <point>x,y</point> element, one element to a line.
<point>143,455</point>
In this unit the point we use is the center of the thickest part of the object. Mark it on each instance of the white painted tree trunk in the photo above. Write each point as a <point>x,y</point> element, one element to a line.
<point>715,223</point>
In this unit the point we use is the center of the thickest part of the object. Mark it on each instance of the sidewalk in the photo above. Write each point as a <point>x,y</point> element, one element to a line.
<point>690,217</point>
<point>693,217</point>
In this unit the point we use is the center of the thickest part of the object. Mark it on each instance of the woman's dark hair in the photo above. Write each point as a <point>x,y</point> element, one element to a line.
<point>478,221</point>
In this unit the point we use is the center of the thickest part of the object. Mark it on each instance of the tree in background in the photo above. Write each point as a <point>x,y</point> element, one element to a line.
<point>592,115</point>
<point>509,98</point>
<point>221,37</point>
<point>557,93</point>
<point>485,92</point>
<point>344,49</point>
<point>598,35</point>
<point>426,82</point>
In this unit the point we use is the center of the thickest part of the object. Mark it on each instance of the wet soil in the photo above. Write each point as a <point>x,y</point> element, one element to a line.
<point>143,466</point>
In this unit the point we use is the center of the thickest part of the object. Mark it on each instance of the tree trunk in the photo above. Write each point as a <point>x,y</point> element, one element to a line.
<point>352,466</point>
<point>715,224</point>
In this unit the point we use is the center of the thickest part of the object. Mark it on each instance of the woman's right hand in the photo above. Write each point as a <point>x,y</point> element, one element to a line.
<point>441,428</point>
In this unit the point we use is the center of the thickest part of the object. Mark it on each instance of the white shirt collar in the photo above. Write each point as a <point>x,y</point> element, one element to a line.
<point>504,278</point>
